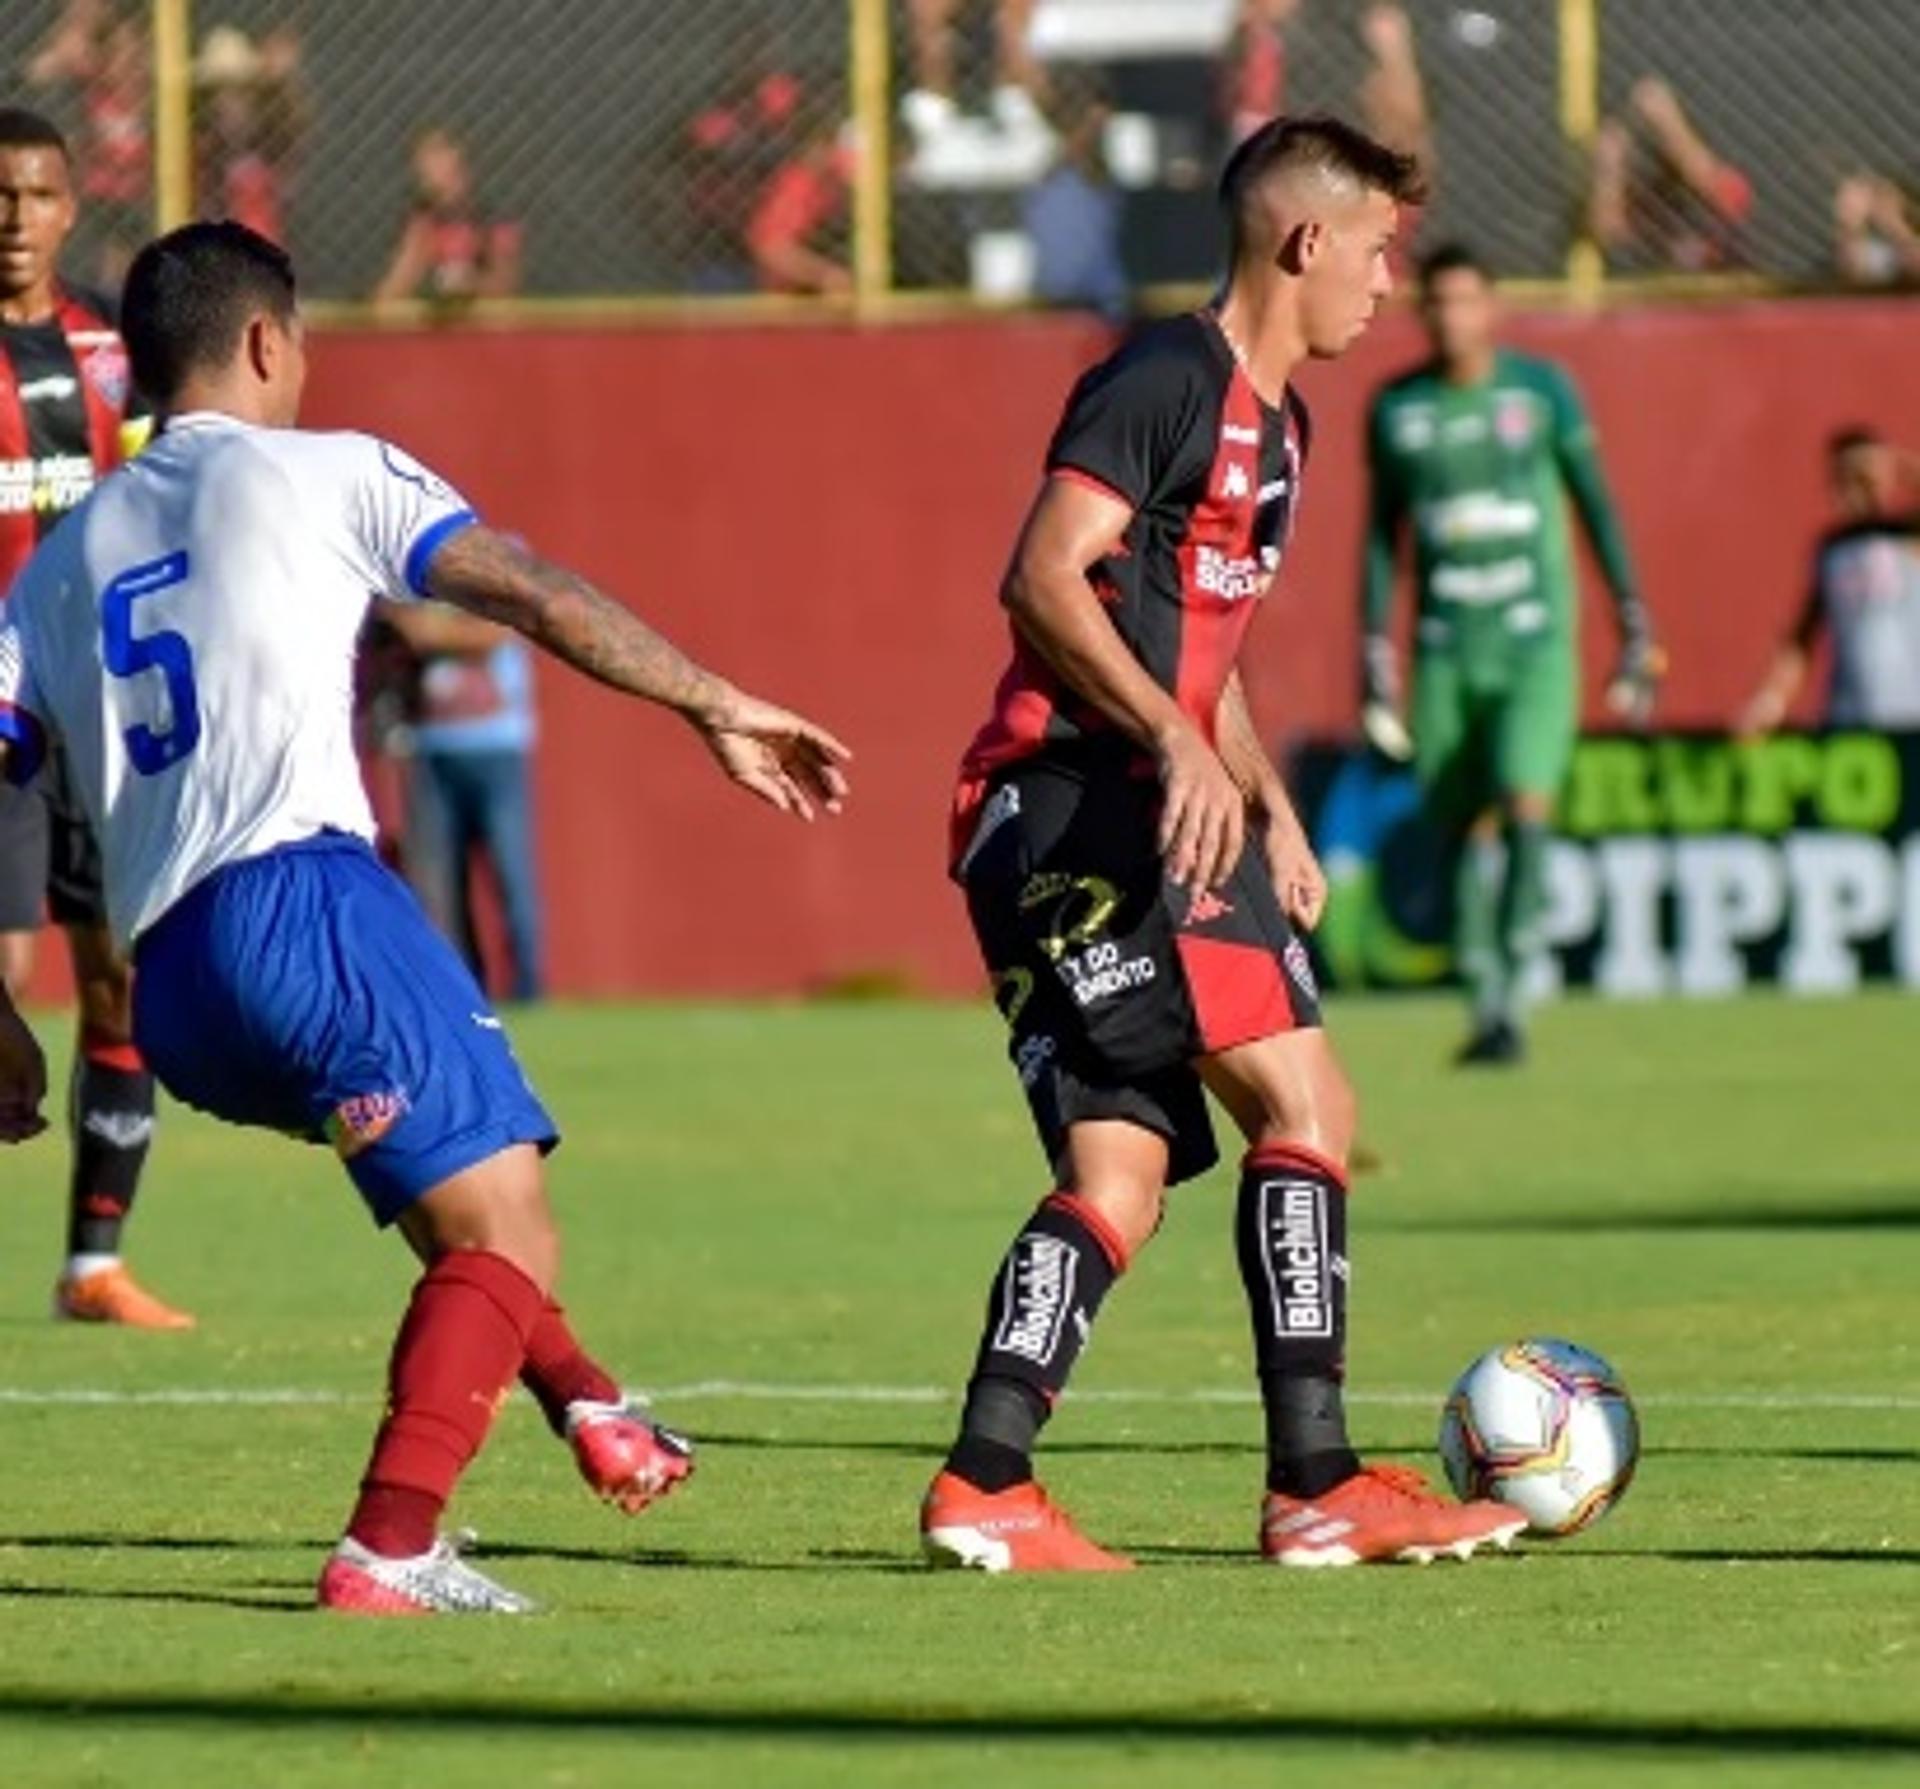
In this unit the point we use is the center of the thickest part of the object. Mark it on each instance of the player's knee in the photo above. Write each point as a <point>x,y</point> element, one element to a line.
<point>1526,808</point>
<point>1131,1208</point>
<point>499,1207</point>
<point>1321,1111</point>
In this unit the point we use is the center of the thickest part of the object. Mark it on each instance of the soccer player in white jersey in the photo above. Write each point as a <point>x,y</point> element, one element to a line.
<point>188,634</point>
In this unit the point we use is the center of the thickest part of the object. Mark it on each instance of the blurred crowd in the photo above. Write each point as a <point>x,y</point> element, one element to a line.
<point>1026,150</point>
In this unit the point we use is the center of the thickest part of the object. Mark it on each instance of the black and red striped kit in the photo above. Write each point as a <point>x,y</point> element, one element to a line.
<point>1114,980</point>
<point>64,403</point>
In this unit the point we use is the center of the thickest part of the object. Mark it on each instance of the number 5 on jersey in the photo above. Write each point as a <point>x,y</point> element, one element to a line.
<point>128,655</point>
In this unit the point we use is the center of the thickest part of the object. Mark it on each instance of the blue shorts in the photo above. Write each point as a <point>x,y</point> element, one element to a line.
<point>305,991</point>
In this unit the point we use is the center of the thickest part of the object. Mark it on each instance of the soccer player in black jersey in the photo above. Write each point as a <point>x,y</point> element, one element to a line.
<point>1135,873</point>
<point>66,419</point>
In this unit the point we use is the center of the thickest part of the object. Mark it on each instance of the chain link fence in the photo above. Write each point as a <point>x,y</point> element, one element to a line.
<point>1015,150</point>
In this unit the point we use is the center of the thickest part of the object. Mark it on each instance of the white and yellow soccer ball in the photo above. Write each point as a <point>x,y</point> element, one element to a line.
<point>1545,1426</point>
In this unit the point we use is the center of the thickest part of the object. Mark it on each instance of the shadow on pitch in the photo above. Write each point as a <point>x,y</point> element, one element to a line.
<point>1735,1212</point>
<point>356,1714</point>
<point>823,1559</point>
<point>272,1603</point>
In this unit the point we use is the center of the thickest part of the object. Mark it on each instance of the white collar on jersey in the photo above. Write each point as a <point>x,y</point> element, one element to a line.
<point>204,419</point>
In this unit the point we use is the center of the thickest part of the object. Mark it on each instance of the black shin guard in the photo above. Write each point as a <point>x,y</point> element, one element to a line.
<point>111,1117</point>
<point>1291,1233</point>
<point>1045,1297</point>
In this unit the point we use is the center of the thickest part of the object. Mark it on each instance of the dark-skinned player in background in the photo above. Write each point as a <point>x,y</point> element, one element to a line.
<point>66,421</point>
<point>1136,873</point>
<point>1474,453</point>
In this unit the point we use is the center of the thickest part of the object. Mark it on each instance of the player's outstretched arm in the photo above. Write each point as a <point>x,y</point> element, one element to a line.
<point>781,757</point>
<point>1072,525</point>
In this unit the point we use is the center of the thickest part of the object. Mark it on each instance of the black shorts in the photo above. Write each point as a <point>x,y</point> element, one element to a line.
<point>1113,980</point>
<point>48,854</point>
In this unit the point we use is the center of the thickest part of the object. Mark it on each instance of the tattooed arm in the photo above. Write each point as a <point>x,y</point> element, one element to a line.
<point>782,758</point>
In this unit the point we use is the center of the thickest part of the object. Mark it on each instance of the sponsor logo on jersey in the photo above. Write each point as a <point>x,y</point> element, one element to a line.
<point>1297,1257</point>
<point>1513,418</point>
<point>1414,428</point>
<point>107,372</point>
<point>50,485</point>
<point>50,389</point>
<point>1039,1294</point>
<point>1231,578</point>
<point>360,1122</point>
<point>1235,481</point>
<point>1237,436</point>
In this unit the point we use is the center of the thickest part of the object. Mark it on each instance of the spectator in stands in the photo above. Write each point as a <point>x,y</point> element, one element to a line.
<point>734,145</point>
<point>932,107</point>
<point>1393,96</point>
<point>94,59</point>
<point>252,117</point>
<point>1874,239</point>
<point>1863,597</point>
<point>796,233</point>
<point>469,798</point>
<point>1666,201</point>
<point>1072,216</point>
<point>450,250</point>
<point>1255,67</point>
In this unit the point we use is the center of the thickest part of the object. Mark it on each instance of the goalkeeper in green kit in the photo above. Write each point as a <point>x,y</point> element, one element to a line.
<point>1474,454</point>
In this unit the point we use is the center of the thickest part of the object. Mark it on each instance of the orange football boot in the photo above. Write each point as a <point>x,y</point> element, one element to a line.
<point>1016,1530</point>
<point>112,1295</point>
<point>1381,1513</point>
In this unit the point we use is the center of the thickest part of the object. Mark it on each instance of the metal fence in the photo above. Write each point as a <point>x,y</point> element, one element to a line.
<point>817,153</point>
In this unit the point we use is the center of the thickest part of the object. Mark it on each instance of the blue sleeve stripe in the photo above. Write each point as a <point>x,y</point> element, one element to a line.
<point>28,740</point>
<point>427,542</point>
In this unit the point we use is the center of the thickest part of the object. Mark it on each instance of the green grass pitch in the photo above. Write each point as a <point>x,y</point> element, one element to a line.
<point>789,1214</point>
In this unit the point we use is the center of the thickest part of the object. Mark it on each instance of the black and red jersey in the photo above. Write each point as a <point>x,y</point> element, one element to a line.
<point>1171,426</point>
<point>65,399</point>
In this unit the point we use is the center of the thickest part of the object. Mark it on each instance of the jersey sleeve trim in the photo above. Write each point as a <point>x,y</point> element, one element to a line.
<point>428,542</point>
<point>1092,482</point>
<point>27,743</point>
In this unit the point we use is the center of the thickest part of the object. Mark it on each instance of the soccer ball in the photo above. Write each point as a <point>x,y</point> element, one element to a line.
<point>1545,1426</point>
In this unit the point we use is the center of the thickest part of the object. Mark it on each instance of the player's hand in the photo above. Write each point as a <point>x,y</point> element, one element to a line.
<point>1203,819</point>
<point>1380,700</point>
<point>1298,879</point>
<point>23,1078</point>
<point>1636,681</point>
<point>786,760</point>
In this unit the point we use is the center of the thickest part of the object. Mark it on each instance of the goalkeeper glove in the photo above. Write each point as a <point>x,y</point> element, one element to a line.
<point>1636,679</point>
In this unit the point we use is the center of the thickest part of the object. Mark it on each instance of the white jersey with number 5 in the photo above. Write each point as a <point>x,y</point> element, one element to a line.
<point>188,633</point>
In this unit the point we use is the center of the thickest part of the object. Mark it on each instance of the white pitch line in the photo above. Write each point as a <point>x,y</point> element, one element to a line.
<point>747,1391</point>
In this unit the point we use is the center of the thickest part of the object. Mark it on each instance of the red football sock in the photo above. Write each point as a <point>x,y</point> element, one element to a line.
<point>558,1370</point>
<point>459,1347</point>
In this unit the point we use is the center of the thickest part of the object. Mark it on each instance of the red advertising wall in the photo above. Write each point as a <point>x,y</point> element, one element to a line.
<point>823,514</point>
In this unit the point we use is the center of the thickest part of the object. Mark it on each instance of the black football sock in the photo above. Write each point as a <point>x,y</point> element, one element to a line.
<point>1045,1297</point>
<point>110,1116</point>
<point>1291,1233</point>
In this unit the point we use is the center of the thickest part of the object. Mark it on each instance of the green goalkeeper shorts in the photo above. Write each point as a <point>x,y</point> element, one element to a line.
<point>1478,741</point>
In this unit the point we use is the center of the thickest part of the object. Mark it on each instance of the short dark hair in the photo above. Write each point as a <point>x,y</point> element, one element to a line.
<point>1451,257</point>
<point>21,129</point>
<point>1318,141</point>
<point>1856,435</point>
<point>191,293</point>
